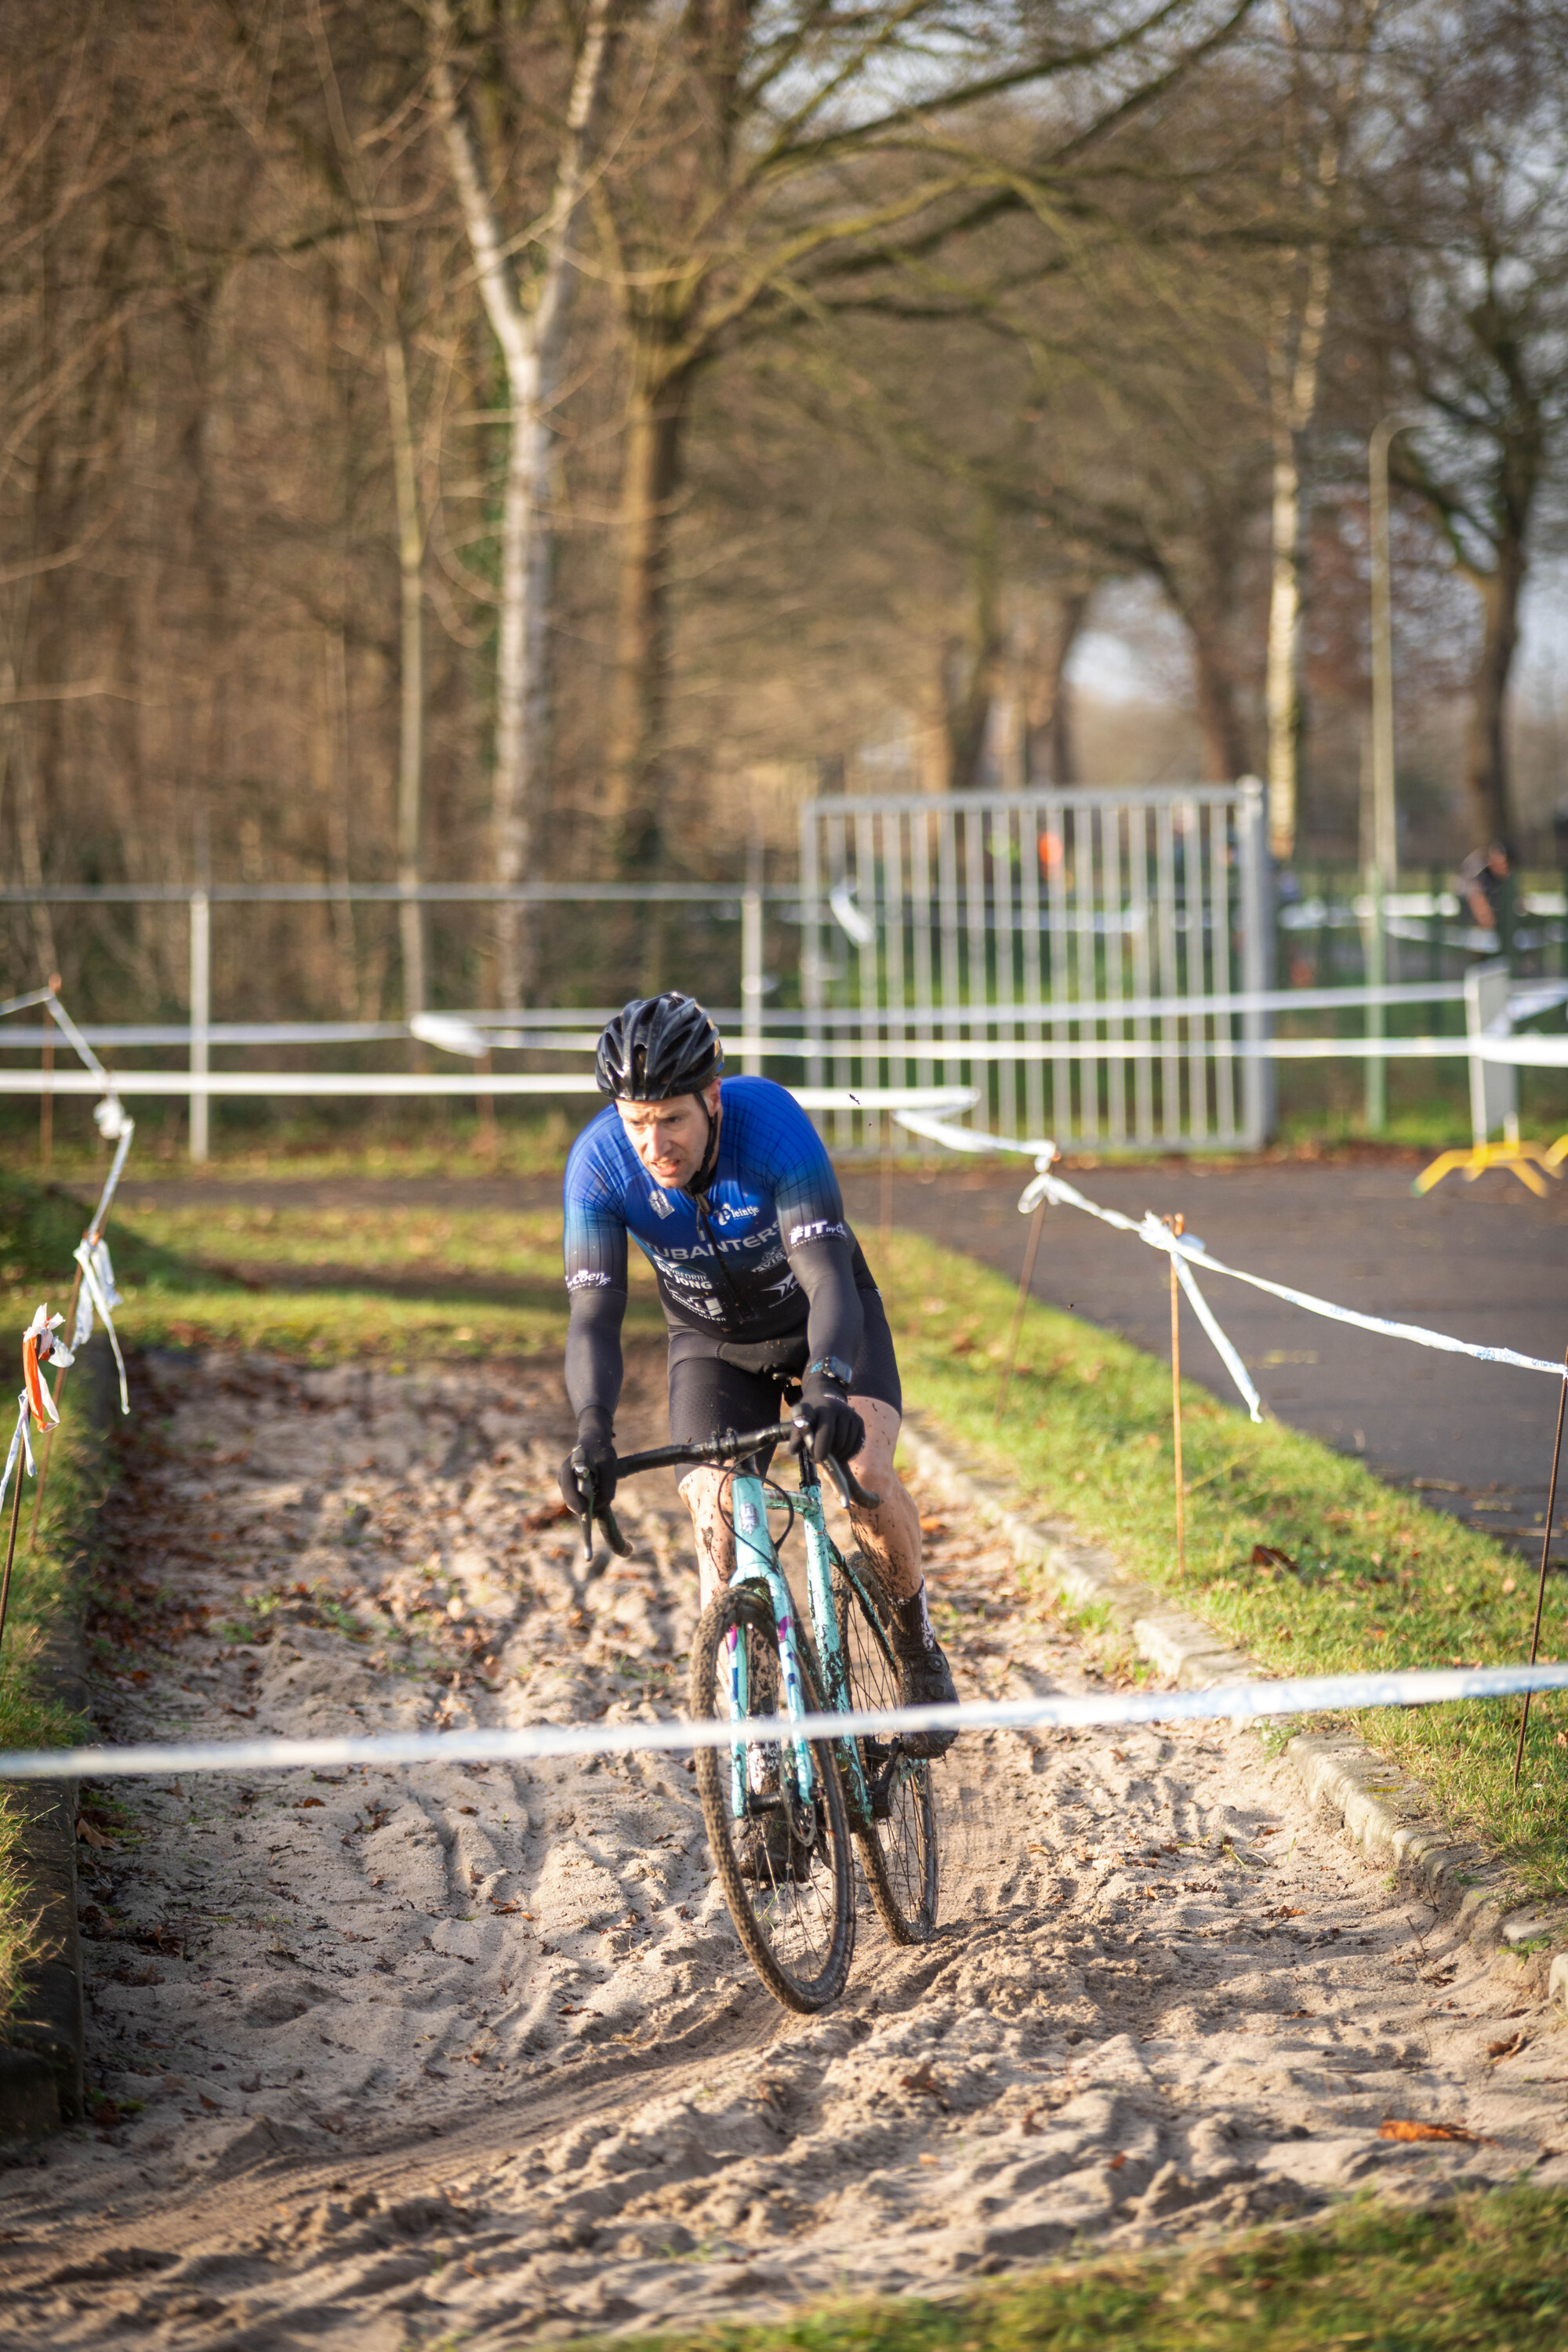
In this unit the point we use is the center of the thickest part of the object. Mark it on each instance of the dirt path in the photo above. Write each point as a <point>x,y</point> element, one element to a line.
<point>471,2055</point>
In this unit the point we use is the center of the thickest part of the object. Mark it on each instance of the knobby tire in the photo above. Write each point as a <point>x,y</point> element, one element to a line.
<point>899,1854</point>
<point>798,1936</point>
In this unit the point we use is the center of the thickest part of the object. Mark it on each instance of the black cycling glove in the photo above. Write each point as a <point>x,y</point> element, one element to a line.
<point>596,1443</point>
<point>836,1427</point>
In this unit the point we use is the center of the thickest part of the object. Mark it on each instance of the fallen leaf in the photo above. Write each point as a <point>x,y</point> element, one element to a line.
<point>930,2160</point>
<point>212,2105</point>
<point>1509,2048</point>
<point>1271,1556</point>
<point>306,1802</point>
<point>94,1838</point>
<point>1117,2161</point>
<point>923,2080</point>
<point>1399,2127</point>
<point>1029,2128</point>
<point>1286,1911</point>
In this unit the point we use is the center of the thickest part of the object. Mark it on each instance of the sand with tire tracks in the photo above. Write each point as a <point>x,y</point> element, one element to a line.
<point>471,2054</point>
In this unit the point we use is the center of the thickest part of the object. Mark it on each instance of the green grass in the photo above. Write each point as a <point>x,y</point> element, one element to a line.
<point>1377,1581</point>
<point>37,1233</point>
<point>374,1138</point>
<point>1483,2274</point>
<point>328,1283</point>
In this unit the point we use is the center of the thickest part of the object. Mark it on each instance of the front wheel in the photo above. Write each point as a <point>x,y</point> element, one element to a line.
<point>898,1846</point>
<point>784,1863</point>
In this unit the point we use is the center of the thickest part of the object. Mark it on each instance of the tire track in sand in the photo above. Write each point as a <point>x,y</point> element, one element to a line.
<point>473,2054</point>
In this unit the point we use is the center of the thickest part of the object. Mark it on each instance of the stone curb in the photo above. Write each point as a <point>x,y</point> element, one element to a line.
<point>41,2083</point>
<point>1382,1809</point>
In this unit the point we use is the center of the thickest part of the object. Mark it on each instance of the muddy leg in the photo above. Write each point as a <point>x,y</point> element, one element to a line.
<point>890,1535</point>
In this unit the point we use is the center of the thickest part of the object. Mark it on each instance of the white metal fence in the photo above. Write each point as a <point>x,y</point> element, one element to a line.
<point>1089,960</point>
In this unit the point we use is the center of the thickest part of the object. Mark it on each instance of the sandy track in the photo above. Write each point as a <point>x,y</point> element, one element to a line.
<point>472,2054</point>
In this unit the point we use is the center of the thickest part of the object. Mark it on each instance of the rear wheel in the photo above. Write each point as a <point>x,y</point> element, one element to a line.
<point>784,1864</point>
<point>898,1849</point>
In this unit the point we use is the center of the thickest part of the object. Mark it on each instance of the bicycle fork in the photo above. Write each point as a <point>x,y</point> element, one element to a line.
<point>819,1558</point>
<point>756,1562</point>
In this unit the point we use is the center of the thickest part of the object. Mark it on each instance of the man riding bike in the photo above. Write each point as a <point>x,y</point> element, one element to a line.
<point>728,1190</point>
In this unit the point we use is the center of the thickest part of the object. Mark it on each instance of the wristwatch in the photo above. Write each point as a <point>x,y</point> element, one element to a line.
<point>834,1368</point>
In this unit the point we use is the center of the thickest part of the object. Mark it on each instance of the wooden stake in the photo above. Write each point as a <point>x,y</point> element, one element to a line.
<point>11,1539</point>
<point>1176,1224</point>
<point>1541,1588</point>
<point>1024,1280</point>
<point>486,1137</point>
<point>47,1101</point>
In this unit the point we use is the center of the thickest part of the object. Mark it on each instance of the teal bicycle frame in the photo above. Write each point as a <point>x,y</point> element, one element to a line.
<point>757,1564</point>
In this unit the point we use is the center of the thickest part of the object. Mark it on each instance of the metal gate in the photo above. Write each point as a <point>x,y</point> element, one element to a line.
<point>1075,956</point>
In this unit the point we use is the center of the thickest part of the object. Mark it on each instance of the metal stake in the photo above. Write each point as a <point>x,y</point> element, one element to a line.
<point>1176,1224</point>
<point>1545,1549</point>
<point>1025,1279</point>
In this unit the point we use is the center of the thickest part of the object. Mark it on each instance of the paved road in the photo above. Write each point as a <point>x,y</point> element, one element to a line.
<point>1485,1261</point>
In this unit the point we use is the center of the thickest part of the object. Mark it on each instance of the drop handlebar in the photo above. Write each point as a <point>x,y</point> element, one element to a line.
<point>733,1446</point>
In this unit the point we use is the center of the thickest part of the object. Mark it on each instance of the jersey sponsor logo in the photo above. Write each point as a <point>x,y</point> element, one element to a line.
<point>585,1279</point>
<point>661,1207</point>
<point>823,1230</point>
<point>736,1213</point>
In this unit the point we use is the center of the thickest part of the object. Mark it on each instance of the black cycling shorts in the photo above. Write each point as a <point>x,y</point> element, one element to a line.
<point>717,1384</point>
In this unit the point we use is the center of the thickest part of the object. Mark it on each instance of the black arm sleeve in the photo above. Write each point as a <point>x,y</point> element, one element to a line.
<point>824,1269</point>
<point>594,1367</point>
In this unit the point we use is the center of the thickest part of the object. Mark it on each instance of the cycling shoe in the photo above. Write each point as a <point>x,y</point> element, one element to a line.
<point>925,1679</point>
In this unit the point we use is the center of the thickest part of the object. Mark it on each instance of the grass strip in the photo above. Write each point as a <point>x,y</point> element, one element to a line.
<point>37,1233</point>
<point>1369,1577</point>
<point>1484,2273</point>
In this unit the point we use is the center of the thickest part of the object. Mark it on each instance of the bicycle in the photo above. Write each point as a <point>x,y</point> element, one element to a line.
<point>779,1815</point>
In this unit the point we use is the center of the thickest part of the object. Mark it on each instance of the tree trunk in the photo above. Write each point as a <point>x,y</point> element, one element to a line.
<point>639,747</point>
<point>1293,397</point>
<point>1486,749</point>
<point>1051,748</point>
<point>533,350</point>
<point>1219,721</point>
<point>975,668</point>
<point>411,635</point>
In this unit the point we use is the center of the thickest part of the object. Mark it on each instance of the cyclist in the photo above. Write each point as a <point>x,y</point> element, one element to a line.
<point>728,1190</point>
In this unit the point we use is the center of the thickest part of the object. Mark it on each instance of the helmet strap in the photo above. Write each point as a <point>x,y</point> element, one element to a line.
<point>704,1176</point>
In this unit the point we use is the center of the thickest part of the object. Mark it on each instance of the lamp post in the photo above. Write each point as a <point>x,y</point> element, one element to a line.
<point>1383,870</point>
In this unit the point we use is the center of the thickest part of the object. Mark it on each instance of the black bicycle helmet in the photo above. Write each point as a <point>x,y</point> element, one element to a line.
<point>657,1048</point>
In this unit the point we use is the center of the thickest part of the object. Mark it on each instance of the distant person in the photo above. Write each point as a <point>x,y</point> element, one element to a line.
<point>1480,880</point>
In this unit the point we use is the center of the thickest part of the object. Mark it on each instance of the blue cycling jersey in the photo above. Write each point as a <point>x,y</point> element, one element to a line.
<point>773,1193</point>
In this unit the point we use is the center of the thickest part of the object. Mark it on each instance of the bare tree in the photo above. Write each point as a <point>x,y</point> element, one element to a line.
<point>771,177</point>
<point>1327,57</point>
<point>533,338</point>
<point>1464,308</point>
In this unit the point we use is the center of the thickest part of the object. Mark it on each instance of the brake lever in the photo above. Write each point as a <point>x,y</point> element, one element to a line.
<point>605,1517</point>
<point>848,1486</point>
<point>850,1490</point>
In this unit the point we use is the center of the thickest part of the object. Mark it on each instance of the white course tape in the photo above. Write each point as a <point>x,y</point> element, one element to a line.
<point>97,1291</point>
<point>1188,1248</point>
<point>1232,1703</point>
